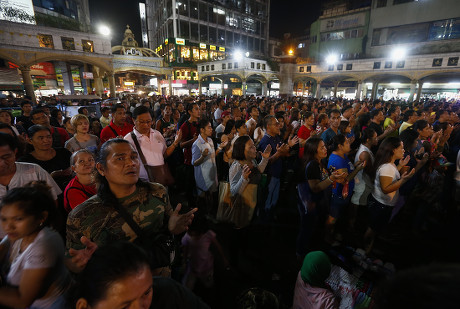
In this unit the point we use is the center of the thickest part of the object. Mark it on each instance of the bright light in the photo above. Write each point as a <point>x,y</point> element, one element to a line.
<point>291,52</point>
<point>238,55</point>
<point>398,53</point>
<point>104,30</point>
<point>395,84</point>
<point>247,54</point>
<point>332,59</point>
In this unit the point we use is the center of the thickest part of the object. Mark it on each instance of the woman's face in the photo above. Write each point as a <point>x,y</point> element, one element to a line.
<point>399,152</point>
<point>42,140</point>
<point>321,152</point>
<point>310,121</point>
<point>16,223</point>
<point>345,146</point>
<point>132,291</point>
<point>426,132</point>
<point>243,130</point>
<point>167,111</point>
<point>5,118</point>
<point>84,163</point>
<point>250,152</point>
<point>59,115</point>
<point>176,114</point>
<point>82,126</point>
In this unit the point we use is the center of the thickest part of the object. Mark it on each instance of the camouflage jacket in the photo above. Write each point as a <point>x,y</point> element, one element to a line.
<point>103,224</point>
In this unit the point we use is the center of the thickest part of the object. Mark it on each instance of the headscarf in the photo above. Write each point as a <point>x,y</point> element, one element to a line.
<point>316,268</point>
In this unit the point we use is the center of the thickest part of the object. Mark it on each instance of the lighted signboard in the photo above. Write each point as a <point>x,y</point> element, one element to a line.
<point>129,83</point>
<point>166,41</point>
<point>180,41</point>
<point>23,11</point>
<point>202,46</point>
<point>222,49</point>
<point>88,75</point>
<point>212,47</point>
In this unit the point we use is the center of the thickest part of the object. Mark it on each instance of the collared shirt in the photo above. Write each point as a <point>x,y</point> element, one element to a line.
<point>328,135</point>
<point>153,147</point>
<point>107,133</point>
<point>206,172</point>
<point>105,121</point>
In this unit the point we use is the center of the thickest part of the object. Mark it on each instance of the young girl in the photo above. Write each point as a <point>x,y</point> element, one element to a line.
<point>196,244</point>
<point>37,277</point>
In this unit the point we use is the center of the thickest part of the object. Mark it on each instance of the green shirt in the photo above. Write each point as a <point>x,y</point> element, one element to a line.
<point>388,121</point>
<point>103,224</point>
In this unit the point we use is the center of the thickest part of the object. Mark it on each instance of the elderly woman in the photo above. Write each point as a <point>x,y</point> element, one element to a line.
<point>124,209</point>
<point>83,185</point>
<point>82,139</point>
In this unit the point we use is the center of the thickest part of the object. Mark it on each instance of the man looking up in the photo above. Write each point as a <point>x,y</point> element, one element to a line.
<point>334,122</point>
<point>251,124</point>
<point>24,119</point>
<point>60,135</point>
<point>118,127</point>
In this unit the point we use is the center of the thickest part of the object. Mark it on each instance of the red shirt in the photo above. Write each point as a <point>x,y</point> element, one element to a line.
<point>304,133</point>
<point>107,133</point>
<point>64,136</point>
<point>188,132</point>
<point>75,193</point>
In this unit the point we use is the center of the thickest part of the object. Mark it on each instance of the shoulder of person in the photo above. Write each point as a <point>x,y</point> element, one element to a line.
<point>88,207</point>
<point>158,190</point>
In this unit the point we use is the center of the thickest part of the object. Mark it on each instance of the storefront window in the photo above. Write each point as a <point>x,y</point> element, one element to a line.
<point>203,54</point>
<point>185,53</point>
<point>196,53</point>
<point>220,55</point>
<point>172,52</point>
<point>213,55</point>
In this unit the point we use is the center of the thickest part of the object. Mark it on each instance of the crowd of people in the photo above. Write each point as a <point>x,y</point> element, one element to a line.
<point>95,209</point>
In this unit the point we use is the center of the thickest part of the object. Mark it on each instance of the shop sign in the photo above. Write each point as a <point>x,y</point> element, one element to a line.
<point>75,76</point>
<point>222,49</point>
<point>166,41</point>
<point>129,83</point>
<point>180,41</point>
<point>212,47</point>
<point>202,46</point>
<point>88,75</point>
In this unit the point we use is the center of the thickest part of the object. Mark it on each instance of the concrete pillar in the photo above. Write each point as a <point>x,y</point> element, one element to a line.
<point>264,89</point>
<point>243,85</point>
<point>112,86</point>
<point>86,83</point>
<point>303,88</point>
<point>318,89</point>
<point>98,86</point>
<point>359,89</point>
<point>413,83</point>
<point>419,90</point>
<point>336,87</point>
<point>287,73</point>
<point>28,84</point>
<point>170,85</point>
<point>374,90</point>
<point>199,87</point>
<point>222,87</point>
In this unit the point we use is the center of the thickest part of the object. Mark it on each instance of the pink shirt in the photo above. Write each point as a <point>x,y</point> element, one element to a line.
<point>309,297</point>
<point>201,258</point>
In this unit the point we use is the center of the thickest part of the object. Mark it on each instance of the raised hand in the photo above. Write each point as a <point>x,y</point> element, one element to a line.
<point>337,174</point>
<point>293,140</point>
<point>178,137</point>
<point>246,172</point>
<point>407,175</point>
<point>179,223</point>
<point>81,257</point>
<point>404,161</point>
<point>267,152</point>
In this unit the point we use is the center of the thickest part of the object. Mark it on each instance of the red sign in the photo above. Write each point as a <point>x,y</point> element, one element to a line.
<point>44,70</point>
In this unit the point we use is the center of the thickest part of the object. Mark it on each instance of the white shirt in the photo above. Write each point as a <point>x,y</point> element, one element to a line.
<point>25,173</point>
<point>153,147</point>
<point>388,170</point>
<point>46,251</point>
<point>206,172</point>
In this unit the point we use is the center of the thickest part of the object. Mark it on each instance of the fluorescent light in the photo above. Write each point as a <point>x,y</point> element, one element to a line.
<point>332,59</point>
<point>398,53</point>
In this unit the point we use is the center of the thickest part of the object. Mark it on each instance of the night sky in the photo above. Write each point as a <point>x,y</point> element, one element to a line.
<point>292,16</point>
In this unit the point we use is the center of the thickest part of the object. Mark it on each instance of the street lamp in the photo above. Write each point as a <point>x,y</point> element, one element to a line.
<point>290,52</point>
<point>238,55</point>
<point>332,59</point>
<point>104,30</point>
<point>398,53</point>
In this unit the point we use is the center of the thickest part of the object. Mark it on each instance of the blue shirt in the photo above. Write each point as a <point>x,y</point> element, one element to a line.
<point>327,136</point>
<point>338,163</point>
<point>274,168</point>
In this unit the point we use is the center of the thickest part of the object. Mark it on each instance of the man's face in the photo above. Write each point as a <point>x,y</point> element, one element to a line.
<point>195,112</point>
<point>273,127</point>
<point>119,117</point>
<point>106,113</point>
<point>334,120</point>
<point>122,168</point>
<point>26,108</point>
<point>255,113</point>
<point>143,123</point>
<point>41,119</point>
<point>7,160</point>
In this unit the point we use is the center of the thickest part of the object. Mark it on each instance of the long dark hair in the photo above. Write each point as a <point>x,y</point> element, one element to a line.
<point>385,152</point>
<point>103,188</point>
<point>311,149</point>
<point>239,146</point>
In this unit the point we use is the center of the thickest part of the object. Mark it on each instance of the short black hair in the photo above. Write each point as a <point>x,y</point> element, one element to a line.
<point>117,106</point>
<point>202,123</point>
<point>8,140</point>
<point>334,111</point>
<point>105,108</point>
<point>375,112</point>
<point>36,128</point>
<point>24,102</point>
<point>142,109</point>
<point>267,120</point>
<point>37,111</point>
<point>239,124</point>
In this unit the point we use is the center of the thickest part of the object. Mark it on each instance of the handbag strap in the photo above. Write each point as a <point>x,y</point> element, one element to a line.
<point>113,130</point>
<point>129,219</point>
<point>138,147</point>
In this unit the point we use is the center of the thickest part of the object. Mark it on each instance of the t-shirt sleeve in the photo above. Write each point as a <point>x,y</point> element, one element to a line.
<point>313,171</point>
<point>196,152</point>
<point>387,170</point>
<point>337,162</point>
<point>42,255</point>
<point>43,175</point>
<point>75,197</point>
<point>303,133</point>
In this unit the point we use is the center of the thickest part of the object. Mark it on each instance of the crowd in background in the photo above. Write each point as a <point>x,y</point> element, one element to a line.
<point>156,172</point>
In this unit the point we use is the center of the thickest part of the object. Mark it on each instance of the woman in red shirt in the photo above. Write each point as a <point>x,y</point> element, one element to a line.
<point>83,185</point>
<point>306,130</point>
